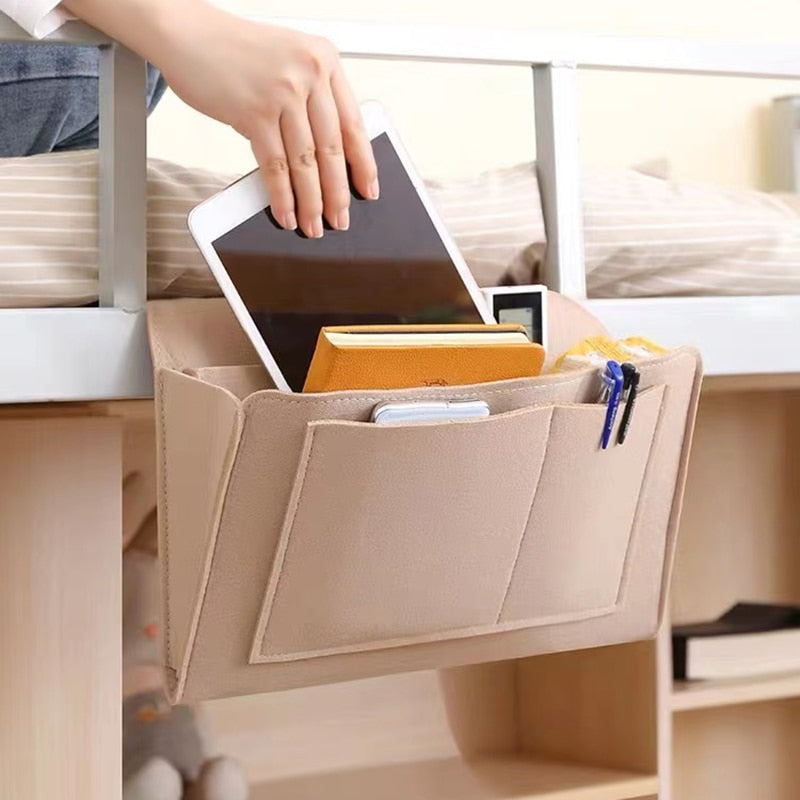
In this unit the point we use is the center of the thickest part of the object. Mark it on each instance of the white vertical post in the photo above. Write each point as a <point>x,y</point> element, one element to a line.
<point>122,257</point>
<point>785,124</point>
<point>556,109</point>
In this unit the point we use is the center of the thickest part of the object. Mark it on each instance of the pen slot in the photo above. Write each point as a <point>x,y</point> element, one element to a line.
<point>573,554</point>
<point>396,535</point>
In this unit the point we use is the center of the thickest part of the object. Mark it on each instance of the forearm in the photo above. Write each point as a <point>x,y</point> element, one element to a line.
<point>152,28</point>
<point>284,90</point>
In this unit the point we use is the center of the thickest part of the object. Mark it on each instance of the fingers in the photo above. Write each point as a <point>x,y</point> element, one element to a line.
<point>304,153</point>
<point>357,147</point>
<point>271,157</point>
<point>301,152</point>
<point>324,119</point>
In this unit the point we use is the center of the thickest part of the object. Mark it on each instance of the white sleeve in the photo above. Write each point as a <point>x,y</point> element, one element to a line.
<point>38,17</point>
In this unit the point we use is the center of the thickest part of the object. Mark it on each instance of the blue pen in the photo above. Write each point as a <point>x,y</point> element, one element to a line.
<point>613,381</point>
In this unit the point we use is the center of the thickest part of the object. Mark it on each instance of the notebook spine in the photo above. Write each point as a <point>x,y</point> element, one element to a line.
<point>322,365</point>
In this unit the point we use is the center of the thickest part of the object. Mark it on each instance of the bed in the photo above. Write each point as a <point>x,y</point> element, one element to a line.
<point>63,466</point>
<point>100,353</point>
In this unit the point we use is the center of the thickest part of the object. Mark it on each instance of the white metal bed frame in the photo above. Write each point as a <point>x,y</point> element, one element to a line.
<point>70,354</point>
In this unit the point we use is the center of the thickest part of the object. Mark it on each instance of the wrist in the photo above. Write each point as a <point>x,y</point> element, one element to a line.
<point>173,23</point>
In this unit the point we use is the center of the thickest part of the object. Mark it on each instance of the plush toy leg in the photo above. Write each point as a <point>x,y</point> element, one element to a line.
<point>220,779</point>
<point>153,729</point>
<point>156,779</point>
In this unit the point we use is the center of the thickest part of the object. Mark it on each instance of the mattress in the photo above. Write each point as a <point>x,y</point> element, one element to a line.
<point>48,230</point>
<point>644,235</point>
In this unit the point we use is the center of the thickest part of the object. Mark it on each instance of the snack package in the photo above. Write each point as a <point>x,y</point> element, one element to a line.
<point>596,351</point>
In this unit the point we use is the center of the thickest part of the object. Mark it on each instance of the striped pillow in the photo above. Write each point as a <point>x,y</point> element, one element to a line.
<point>651,237</point>
<point>644,236</point>
<point>496,221</point>
<point>48,230</point>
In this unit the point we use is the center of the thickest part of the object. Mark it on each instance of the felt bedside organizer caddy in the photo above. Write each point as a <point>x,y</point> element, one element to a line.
<point>302,544</point>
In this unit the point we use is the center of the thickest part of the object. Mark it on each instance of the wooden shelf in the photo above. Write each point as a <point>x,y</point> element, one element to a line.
<point>689,695</point>
<point>455,779</point>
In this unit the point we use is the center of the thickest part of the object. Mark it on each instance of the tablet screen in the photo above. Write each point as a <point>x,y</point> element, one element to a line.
<point>389,267</point>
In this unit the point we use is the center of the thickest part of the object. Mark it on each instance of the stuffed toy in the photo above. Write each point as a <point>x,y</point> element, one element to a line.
<point>164,750</point>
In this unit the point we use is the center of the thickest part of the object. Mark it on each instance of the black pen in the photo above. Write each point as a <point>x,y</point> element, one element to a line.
<point>632,386</point>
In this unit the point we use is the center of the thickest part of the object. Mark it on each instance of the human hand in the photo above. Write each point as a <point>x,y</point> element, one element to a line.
<point>286,92</point>
<point>282,89</point>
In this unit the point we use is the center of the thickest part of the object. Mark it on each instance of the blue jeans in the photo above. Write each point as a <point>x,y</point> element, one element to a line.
<point>49,98</point>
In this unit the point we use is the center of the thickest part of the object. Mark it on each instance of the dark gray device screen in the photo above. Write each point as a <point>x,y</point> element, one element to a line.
<point>389,267</point>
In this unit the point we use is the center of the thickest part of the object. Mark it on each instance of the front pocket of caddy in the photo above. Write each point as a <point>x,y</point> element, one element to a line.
<point>572,560</point>
<point>398,535</point>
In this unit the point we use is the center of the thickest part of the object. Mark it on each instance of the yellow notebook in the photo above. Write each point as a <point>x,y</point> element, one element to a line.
<point>401,356</point>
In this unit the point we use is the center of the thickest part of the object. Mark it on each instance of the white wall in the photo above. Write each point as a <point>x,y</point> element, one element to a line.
<point>457,120</point>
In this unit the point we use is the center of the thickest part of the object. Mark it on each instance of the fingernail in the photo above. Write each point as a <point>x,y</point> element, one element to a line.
<point>343,220</point>
<point>316,228</point>
<point>290,221</point>
<point>374,190</point>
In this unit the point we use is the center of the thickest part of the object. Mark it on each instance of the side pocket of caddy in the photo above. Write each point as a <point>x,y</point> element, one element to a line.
<point>572,559</point>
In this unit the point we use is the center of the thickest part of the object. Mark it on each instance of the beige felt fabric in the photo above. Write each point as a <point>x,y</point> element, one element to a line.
<point>296,545</point>
<point>572,557</point>
<point>364,528</point>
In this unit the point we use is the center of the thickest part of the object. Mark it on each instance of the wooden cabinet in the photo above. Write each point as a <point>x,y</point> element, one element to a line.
<point>602,724</point>
<point>740,540</point>
<point>60,606</point>
<point>519,729</point>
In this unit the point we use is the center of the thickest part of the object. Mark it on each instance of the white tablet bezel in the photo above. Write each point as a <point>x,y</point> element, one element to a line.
<point>248,196</point>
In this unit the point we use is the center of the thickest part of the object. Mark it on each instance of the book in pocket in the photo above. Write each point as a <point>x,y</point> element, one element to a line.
<point>404,356</point>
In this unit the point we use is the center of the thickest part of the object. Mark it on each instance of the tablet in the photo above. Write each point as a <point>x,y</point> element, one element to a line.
<point>395,264</point>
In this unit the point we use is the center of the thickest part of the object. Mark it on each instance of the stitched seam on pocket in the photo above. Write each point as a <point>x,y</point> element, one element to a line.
<point>164,496</point>
<point>625,574</point>
<point>522,535</point>
<point>230,463</point>
<point>283,545</point>
<point>178,675</point>
<point>446,635</point>
<point>267,396</point>
<point>260,397</point>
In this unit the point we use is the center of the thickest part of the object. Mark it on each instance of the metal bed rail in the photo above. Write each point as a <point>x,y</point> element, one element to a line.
<point>554,59</point>
<point>122,256</point>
